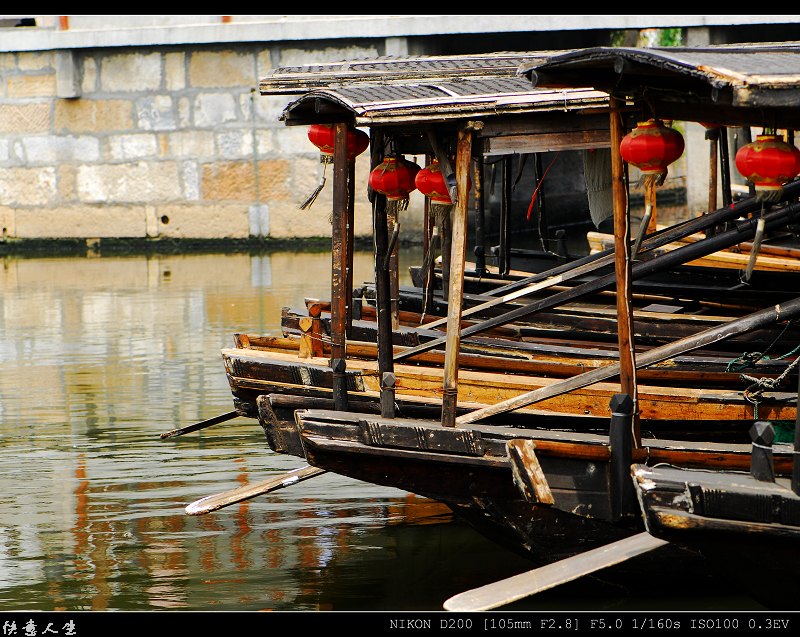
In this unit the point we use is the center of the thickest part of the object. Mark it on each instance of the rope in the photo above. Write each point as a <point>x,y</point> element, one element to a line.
<point>754,391</point>
<point>539,185</point>
<point>749,359</point>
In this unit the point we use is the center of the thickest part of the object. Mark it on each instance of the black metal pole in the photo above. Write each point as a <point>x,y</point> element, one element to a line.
<point>623,496</point>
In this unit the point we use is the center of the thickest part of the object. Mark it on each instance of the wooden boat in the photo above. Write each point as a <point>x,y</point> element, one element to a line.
<point>540,463</point>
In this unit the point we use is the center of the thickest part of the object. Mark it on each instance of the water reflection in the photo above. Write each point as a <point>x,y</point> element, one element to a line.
<point>101,355</point>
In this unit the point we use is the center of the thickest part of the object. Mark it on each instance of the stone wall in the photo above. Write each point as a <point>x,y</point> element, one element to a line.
<point>160,142</point>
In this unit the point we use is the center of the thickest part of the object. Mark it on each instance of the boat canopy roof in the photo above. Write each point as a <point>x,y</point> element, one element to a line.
<point>447,91</point>
<point>743,84</point>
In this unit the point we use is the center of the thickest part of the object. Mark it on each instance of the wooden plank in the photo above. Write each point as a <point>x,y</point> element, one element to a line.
<point>540,579</point>
<point>247,492</point>
<point>527,472</point>
<point>545,142</point>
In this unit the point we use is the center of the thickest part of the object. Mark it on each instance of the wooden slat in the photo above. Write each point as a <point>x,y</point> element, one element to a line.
<point>540,579</point>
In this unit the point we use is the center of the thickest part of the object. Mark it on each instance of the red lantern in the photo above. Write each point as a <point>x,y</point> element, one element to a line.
<point>324,135</point>
<point>769,162</point>
<point>394,177</point>
<point>652,146</point>
<point>430,182</point>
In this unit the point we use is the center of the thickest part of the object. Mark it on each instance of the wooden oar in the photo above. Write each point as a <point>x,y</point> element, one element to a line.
<point>213,502</point>
<point>200,425</point>
<point>540,579</point>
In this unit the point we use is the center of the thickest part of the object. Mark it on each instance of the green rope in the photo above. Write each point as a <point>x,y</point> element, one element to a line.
<point>749,359</point>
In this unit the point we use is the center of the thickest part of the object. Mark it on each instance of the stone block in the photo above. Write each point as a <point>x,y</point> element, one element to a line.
<point>35,60</point>
<point>67,185</point>
<point>46,149</point>
<point>190,180</point>
<point>194,144</point>
<point>28,186</point>
<point>175,71</point>
<point>211,69</point>
<point>228,181</point>
<point>130,72</point>
<point>8,61</point>
<point>134,146</point>
<point>214,109</point>
<point>234,144</point>
<point>4,150</point>
<point>90,76</point>
<point>142,182</point>
<point>24,86</point>
<point>286,221</point>
<point>155,112</point>
<point>202,221</point>
<point>80,221</point>
<point>275,179</point>
<point>25,118</point>
<point>92,116</point>
<point>297,57</point>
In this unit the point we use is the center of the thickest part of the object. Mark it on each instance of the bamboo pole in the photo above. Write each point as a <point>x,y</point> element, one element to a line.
<point>457,264</point>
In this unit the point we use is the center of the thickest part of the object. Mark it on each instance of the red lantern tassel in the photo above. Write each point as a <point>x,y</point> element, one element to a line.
<point>313,196</point>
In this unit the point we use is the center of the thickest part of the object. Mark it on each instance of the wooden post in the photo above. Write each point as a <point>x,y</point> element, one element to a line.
<point>427,245</point>
<point>457,262</point>
<point>339,261</point>
<point>383,308</point>
<point>505,221</point>
<point>762,467</point>
<point>622,267</point>
<point>480,217</point>
<point>351,197</point>
<point>713,138</point>
<point>315,312</point>
<point>394,275</point>
<point>623,496</point>
<point>725,167</point>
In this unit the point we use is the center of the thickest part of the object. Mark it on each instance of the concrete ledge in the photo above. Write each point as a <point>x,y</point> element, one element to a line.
<point>286,28</point>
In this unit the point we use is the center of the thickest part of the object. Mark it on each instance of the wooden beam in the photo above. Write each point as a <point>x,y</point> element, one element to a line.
<point>382,283</point>
<point>622,266</point>
<point>457,263</point>
<point>339,262</point>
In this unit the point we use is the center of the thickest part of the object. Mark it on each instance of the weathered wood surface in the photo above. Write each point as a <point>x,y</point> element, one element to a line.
<point>543,578</point>
<point>765,261</point>
<point>255,369</point>
<point>527,472</point>
<point>675,501</point>
<point>780,312</point>
<point>563,362</point>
